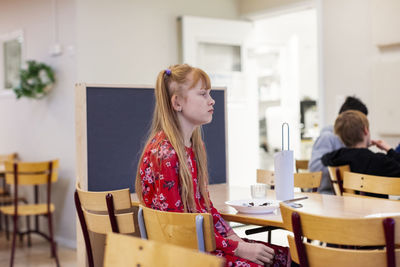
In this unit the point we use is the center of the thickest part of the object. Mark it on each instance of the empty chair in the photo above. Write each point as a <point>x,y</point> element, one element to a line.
<point>190,230</point>
<point>376,232</point>
<point>122,250</point>
<point>5,197</point>
<point>336,175</point>
<point>301,164</point>
<point>3,158</point>
<point>266,177</point>
<point>371,183</point>
<point>308,180</point>
<point>31,174</point>
<point>103,212</point>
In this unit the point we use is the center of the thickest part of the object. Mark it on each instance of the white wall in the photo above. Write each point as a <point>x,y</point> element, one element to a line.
<point>349,56</point>
<point>131,41</point>
<point>44,129</point>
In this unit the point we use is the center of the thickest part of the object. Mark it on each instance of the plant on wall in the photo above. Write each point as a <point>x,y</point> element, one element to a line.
<point>35,81</point>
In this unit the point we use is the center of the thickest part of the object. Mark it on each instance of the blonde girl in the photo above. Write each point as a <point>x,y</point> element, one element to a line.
<point>172,173</point>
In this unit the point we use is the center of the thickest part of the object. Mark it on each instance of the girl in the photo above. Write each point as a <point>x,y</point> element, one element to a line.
<point>172,173</point>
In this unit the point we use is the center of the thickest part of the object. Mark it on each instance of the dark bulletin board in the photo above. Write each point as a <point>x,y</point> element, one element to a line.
<point>118,120</point>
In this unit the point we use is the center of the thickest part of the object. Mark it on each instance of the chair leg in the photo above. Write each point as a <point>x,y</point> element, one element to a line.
<point>269,236</point>
<point>52,242</point>
<point>7,230</point>
<point>28,226</point>
<point>15,219</point>
<point>1,221</point>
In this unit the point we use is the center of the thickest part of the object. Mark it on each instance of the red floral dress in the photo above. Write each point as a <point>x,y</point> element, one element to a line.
<point>161,190</point>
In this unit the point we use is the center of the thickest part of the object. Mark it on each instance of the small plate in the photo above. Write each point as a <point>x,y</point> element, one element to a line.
<point>255,206</point>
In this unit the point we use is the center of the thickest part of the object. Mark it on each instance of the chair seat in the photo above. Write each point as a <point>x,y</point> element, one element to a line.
<point>30,209</point>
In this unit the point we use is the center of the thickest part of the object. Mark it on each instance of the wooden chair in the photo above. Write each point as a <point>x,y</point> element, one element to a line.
<point>370,184</point>
<point>122,250</point>
<point>374,232</point>
<point>308,180</point>
<point>37,173</point>
<point>302,164</point>
<point>190,230</point>
<point>103,212</point>
<point>336,175</point>
<point>3,159</point>
<point>5,197</point>
<point>266,177</point>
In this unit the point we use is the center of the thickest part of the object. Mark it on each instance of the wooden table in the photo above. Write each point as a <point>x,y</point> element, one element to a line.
<point>328,205</point>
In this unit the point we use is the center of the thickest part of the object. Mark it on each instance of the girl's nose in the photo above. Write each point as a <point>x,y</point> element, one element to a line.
<point>212,101</point>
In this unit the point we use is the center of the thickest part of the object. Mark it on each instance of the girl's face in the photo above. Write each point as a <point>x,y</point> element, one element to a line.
<point>197,105</point>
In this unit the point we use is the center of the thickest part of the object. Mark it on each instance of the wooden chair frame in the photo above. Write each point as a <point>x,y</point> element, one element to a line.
<point>158,220</point>
<point>351,232</point>
<point>371,183</point>
<point>301,164</point>
<point>92,217</point>
<point>336,177</point>
<point>5,197</point>
<point>24,173</point>
<point>122,250</point>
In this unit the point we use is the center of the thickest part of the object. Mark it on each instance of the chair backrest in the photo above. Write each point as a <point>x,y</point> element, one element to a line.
<point>8,157</point>
<point>336,175</point>
<point>182,229</point>
<point>301,164</point>
<point>308,180</point>
<point>341,231</point>
<point>266,177</point>
<point>122,250</point>
<point>302,180</point>
<point>31,173</point>
<point>103,212</point>
<point>371,183</point>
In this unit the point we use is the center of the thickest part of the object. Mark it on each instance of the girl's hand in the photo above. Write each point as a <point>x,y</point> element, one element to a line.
<point>381,145</point>
<point>255,252</point>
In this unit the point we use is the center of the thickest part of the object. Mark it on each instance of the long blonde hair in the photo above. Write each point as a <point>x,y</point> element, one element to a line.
<point>165,119</point>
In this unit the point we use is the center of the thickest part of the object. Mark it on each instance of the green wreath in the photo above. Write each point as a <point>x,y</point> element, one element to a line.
<point>35,81</point>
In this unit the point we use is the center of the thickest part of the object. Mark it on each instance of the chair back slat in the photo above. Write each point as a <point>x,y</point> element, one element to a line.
<point>266,177</point>
<point>95,201</point>
<point>8,157</point>
<point>336,175</point>
<point>131,251</point>
<point>32,179</point>
<point>307,179</point>
<point>178,228</point>
<point>349,231</point>
<point>31,167</point>
<point>371,183</point>
<point>333,257</point>
<point>100,223</point>
<point>31,173</point>
<point>301,164</point>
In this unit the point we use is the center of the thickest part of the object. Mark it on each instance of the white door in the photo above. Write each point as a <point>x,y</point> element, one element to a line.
<point>219,47</point>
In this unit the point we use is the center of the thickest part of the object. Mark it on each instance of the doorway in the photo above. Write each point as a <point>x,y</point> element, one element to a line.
<point>282,60</point>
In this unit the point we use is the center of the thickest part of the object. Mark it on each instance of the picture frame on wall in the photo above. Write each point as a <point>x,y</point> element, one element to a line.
<point>11,59</point>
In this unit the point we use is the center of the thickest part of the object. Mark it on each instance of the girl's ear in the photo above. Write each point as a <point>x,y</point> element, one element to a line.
<point>175,101</point>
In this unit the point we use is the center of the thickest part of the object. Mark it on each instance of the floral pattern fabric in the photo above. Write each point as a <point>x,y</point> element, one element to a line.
<point>161,191</point>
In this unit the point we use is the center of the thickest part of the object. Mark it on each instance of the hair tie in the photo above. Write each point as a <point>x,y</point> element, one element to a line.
<point>168,72</point>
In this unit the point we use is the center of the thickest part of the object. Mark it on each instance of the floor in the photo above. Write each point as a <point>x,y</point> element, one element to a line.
<point>39,253</point>
<point>36,255</point>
